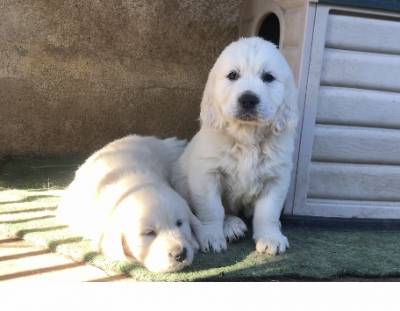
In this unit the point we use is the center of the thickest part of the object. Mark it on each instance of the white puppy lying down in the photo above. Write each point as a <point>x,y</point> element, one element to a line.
<point>241,159</point>
<point>121,199</point>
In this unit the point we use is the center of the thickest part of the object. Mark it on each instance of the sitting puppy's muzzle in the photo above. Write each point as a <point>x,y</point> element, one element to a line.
<point>248,104</point>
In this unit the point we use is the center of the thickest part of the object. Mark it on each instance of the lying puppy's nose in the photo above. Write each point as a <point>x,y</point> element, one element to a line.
<point>248,100</point>
<point>179,255</point>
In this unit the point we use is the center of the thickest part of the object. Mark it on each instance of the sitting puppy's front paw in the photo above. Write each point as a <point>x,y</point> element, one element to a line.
<point>212,238</point>
<point>272,243</point>
<point>234,228</point>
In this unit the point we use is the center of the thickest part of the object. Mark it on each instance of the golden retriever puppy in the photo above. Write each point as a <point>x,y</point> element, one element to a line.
<point>122,200</point>
<point>241,159</point>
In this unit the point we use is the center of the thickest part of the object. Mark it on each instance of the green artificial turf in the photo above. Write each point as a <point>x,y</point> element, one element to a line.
<point>30,189</point>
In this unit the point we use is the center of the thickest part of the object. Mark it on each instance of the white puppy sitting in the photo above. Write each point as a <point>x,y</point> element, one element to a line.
<point>121,199</point>
<point>241,159</point>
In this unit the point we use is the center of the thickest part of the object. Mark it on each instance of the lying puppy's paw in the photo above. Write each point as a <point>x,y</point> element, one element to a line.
<point>212,238</point>
<point>234,228</point>
<point>272,242</point>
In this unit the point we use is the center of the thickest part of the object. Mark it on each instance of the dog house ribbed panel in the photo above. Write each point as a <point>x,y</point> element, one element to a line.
<point>348,149</point>
<point>352,153</point>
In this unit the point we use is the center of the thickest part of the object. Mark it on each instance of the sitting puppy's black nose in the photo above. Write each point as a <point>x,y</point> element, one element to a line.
<point>179,255</point>
<point>248,100</point>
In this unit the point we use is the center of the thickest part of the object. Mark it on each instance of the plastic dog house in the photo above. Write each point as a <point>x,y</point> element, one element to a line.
<point>346,59</point>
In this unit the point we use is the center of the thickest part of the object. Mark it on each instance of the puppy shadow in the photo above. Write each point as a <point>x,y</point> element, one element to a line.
<point>241,262</point>
<point>237,251</point>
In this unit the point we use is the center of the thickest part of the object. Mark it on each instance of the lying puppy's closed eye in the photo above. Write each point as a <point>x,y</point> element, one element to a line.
<point>121,199</point>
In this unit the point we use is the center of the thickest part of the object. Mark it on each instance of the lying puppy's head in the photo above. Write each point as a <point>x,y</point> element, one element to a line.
<point>153,225</point>
<point>250,84</point>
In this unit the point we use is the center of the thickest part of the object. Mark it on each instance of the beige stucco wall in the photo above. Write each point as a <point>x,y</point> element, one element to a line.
<point>76,74</point>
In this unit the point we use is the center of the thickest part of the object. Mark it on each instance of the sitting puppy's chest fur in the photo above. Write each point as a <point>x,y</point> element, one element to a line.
<point>244,171</point>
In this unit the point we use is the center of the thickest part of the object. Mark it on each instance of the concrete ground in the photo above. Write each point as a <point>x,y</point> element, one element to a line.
<point>22,261</point>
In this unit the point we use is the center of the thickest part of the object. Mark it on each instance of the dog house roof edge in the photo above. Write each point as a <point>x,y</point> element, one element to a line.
<point>386,5</point>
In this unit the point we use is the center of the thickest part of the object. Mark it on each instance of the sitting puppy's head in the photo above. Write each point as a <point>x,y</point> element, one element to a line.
<point>250,84</point>
<point>154,229</point>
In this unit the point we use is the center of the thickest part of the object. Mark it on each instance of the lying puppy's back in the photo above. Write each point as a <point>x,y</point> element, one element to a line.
<point>141,154</point>
<point>109,174</point>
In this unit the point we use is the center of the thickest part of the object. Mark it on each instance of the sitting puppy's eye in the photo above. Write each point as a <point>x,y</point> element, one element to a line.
<point>149,233</point>
<point>233,75</point>
<point>267,77</point>
<point>179,223</point>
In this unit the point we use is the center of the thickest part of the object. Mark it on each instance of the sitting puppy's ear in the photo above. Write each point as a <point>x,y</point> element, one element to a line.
<point>287,114</point>
<point>209,114</point>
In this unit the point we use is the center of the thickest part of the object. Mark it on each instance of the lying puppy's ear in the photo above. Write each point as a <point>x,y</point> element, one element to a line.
<point>287,114</point>
<point>111,242</point>
<point>209,115</point>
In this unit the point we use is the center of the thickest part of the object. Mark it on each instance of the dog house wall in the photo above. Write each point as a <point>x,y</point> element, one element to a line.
<point>346,61</point>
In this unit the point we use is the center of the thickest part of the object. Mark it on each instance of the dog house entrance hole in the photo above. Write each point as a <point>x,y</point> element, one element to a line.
<point>270,29</point>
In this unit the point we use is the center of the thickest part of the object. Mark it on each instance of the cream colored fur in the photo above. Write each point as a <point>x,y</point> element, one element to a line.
<point>122,200</point>
<point>232,165</point>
